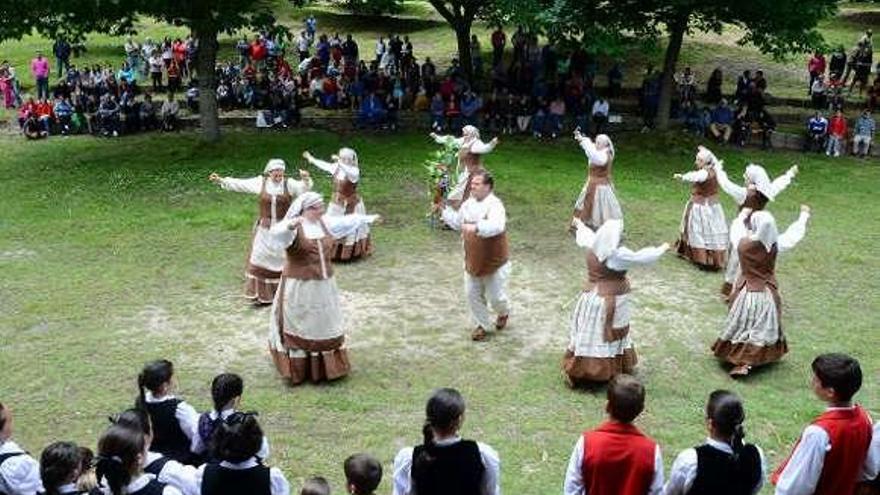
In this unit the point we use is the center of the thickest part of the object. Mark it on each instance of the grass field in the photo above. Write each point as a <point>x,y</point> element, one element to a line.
<point>432,37</point>
<point>113,253</point>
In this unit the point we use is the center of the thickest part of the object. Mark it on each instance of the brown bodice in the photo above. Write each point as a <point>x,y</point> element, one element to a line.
<point>758,266</point>
<point>706,191</point>
<point>282,204</point>
<point>606,281</point>
<point>306,257</point>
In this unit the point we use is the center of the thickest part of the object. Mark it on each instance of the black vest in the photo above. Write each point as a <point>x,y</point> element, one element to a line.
<point>152,488</point>
<point>452,469</point>
<point>218,480</point>
<point>168,438</point>
<point>156,466</point>
<point>719,474</point>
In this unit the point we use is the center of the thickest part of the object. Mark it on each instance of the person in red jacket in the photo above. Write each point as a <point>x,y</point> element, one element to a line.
<point>616,458</point>
<point>258,52</point>
<point>837,129</point>
<point>831,453</point>
<point>45,114</point>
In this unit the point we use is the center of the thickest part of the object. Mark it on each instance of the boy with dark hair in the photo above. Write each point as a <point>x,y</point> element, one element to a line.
<point>315,485</point>
<point>617,458</point>
<point>832,451</point>
<point>362,474</point>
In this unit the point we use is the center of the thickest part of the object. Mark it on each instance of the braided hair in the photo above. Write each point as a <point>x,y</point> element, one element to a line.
<point>725,410</point>
<point>442,414</point>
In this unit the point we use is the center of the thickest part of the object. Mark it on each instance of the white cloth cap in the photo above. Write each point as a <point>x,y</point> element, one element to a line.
<point>756,175</point>
<point>764,229</point>
<point>607,239</point>
<point>604,142</point>
<point>348,156</point>
<point>274,164</point>
<point>302,202</point>
<point>706,156</point>
<point>470,131</point>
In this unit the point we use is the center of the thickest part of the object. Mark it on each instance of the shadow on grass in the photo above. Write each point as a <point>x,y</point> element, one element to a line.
<point>360,23</point>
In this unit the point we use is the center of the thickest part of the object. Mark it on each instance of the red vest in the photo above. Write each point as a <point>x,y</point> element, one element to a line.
<point>849,432</point>
<point>618,460</point>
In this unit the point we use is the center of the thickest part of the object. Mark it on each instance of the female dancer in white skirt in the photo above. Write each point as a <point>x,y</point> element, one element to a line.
<point>305,330</point>
<point>755,194</point>
<point>600,345</point>
<point>752,334</point>
<point>704,236</point>
<point>597,201</point>
<point>276,193</point>
<point>470,161</point>
<point>346,175</point>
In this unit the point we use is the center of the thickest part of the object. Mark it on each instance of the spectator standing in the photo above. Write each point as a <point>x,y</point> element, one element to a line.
<point>499,41</point>
<point>816,68</point>
<point>40,71</point>
<point>818,93</point>
<point>61,49</point>
<point>476,56</point>
<point>615,80</point>
<point>863,134</point>
<point>713,86</point>
<point>817,132</point>
<point>7,85</point>
<point>837,129</point>
<point>814,466</point>
<point>19,472</point>
<point>303,43</point>
<point>132,53</point>
<point>311,26</point>
<point>350,51</point>
<point>600,115</point>
<point>380,49</point>
<point>168,112</point>
<point>743,86</point>
<point>687,85</point>
<point>556,117</point>
<point>837,64</point>
<point>156,65</point>
<point>616,458</point>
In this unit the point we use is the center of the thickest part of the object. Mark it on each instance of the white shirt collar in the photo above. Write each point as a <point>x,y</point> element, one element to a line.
<point>252,462</point>
<point>722,446</point>
<point>9,447</point>
<point>844,408</point>
<point>68,488</point>
<point>152,399</point>
<point>448,441</point>
<point>140,482</point>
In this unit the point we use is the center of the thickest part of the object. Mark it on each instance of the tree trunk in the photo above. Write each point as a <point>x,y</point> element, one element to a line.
<point>206,60</point>
<point>676,38</point>
<point>463,37</point>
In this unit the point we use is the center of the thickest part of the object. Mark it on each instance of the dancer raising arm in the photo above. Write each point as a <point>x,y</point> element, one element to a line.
<point>704,234</point>
<point>305,328</point>
<point>597,201</point>
<point>276,192</point>
<point>752,334</point>
<point>470,160</point>
<point>600,346</point>
<point>346,174</point>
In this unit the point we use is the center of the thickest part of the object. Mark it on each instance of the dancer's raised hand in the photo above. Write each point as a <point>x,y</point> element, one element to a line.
<point>677,176</point>
<point>806,209</point>
<point>214,177</point>
<point>307,155</point>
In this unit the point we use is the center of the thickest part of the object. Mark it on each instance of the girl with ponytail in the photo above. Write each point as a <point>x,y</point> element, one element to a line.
<point>60,468</point>
<point>174,421</point>
<point>444,463</point>
<point>724,464</point>
<point>226,392</point>
<point>122,452</point>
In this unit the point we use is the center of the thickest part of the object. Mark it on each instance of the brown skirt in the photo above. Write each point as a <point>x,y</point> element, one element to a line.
<point>261,284</point>
<point>582,370</point>
<point>314,366</point>
<point>351,252</point>
<point>740,353</point>
<point>708,259</point>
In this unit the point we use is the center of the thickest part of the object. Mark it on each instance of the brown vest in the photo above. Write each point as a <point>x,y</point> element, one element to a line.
<point>306,256</point>
<point>470,161</point>
<point>345,194</point>
<point>601,175</point>
<point>758,266</point>
<point>754,200</point>
<point>282,203</point>
<point>483,256</point>
<point>608,284</point>
<point>706,191</point>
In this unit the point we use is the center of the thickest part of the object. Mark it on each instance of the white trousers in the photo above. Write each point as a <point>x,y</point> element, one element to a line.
<point>483,292</point>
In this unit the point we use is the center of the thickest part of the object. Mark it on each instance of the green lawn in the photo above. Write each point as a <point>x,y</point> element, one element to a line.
<point>115,252</point>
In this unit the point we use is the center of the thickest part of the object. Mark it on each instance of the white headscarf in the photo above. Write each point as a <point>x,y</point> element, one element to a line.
<point>348,155</point>
<point>470,132</point>
<point>758,176</point>
<point>607,239</point>
<point>764,229</point>
<point>274,164</point>
<point>303,202</point>
<point>706,156</point>
<point>603,141</point>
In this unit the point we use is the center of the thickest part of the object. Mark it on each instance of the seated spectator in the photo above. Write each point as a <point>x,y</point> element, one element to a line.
<point>238,468</point>
<point>724,463</point>
<point>316,485</point>
<point>392,106</point>
<point>168,113</point>
<point>742,126</point>
<point>524,113</point>
<point>555,117</point>
<point>539,119</point>
<point>108,116</point>
<point>174,421</point>
<point>765,125</point>
<point>617,457</point>
<point>61,464</point>
<point>692,118</point>
<point>372,112</point>
<point>600,115</point>
<point>470,106</point>
<point>834,94</point>
<point>121,452</point>
<point>721,125</point>
<point>863,134</point>
<point>226,392</point>
<point>329,91</point>
<point>362,474</point>
<point>817,132</point>
<point>444,463</point>
<point>510,110</point>
<point>743,87</point>
<point>45,114</point>
<point>874,93</point>
<point>32,128</point>
<point>453,112</point>
<point>19,472</point>
<point>192,97</point>
<point>818,92</point>
<point>438,113</point>
<point>837,129</point>
<point>63,114</point>
<point>814,466</point>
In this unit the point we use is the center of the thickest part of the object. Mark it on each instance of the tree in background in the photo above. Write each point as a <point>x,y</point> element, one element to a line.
<point>372,7</point>
<point>461,14</point>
